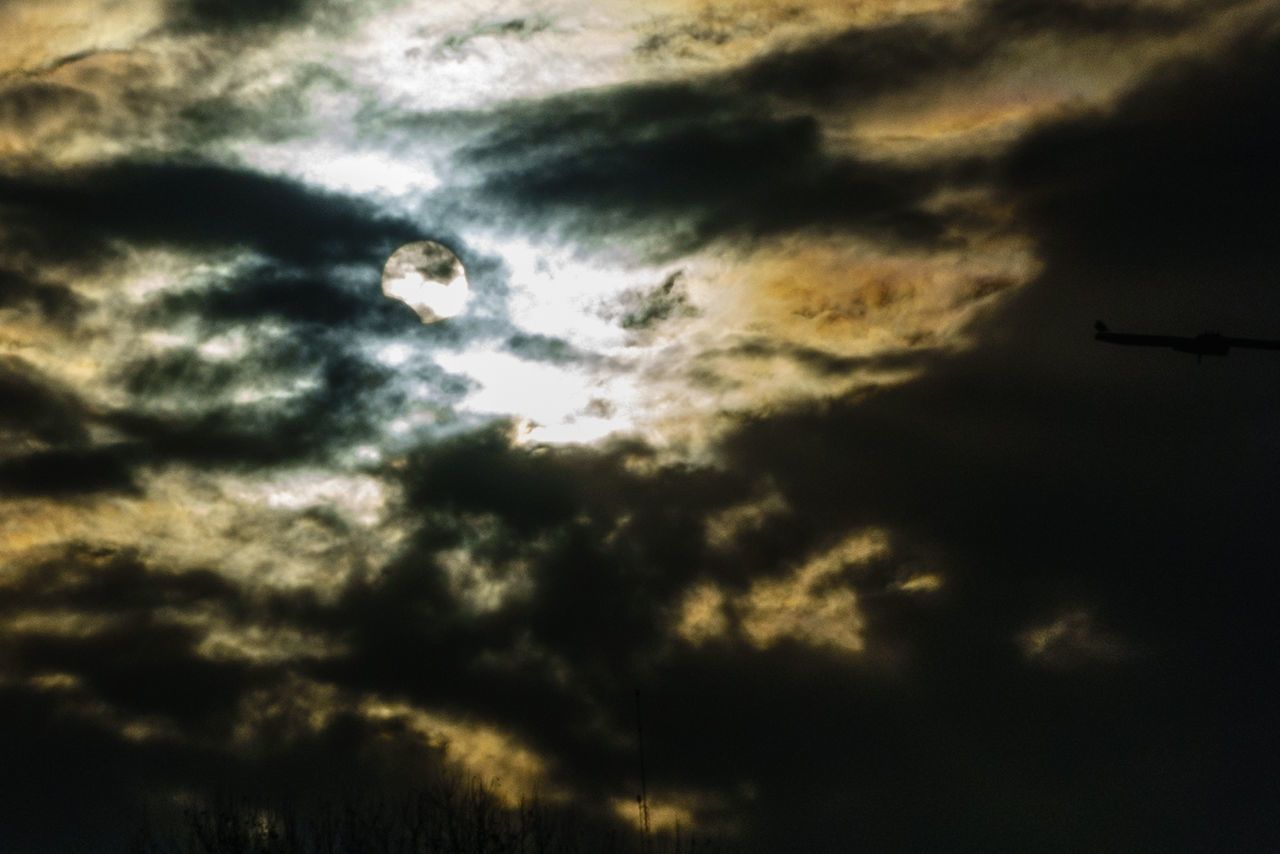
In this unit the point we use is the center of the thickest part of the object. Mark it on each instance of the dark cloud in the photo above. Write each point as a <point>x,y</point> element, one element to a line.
<point>1051,476</point>
<point>1177,178</point>
<point>69,471</point>
<point>32,404</point>
<point>1047,479</point>
<point>55,303</point>
<point>140,667</point>
<point>740,155</point>
<point>692,166</point>
<point>113,582</point>
<point>590,600</point>
<point>280,115</point>
<point>25,107</point>
<point>1074,18</point>
<point>196,206</point>
<point>863,63</point>
<point>647,309</point>
<point>1153,521</point>
<point>117,625</point>
<point>136,661</point>
<point>320,388</point>
<point>822,362</point>
<point>544,348</point>
<point>338,410</point>
<point>520,28</point>
<point>304,300</point>
<point>237,15</point>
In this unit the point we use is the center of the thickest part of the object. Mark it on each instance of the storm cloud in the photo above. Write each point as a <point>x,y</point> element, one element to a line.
<point>776,402</point>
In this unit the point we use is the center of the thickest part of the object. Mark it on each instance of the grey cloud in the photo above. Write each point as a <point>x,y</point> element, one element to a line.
<point>70,470</point>
<point>314,300</point>
<point>821,362</point>
<point>1072,17</point>
<point>31,404</point>
<point>136,661</point>
<point>522,28</point>
<point>862,63</point>
<point>1178,177</point>
<point>54,302</point>
<point>544,348</point>
<point>1039,473</point>
<point>280,115</point>
<point>692,166</point>
<point>196,206</point>
<point>237,15</point>
<point>310,425</point>
<point>1054,475</point>
<point>647,309</point>
<point>28,105</point>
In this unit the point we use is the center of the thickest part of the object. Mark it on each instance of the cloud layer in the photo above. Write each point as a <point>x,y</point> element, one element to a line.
<point>775,400</point>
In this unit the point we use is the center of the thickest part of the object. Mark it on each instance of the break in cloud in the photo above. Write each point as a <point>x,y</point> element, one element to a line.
<point>774,399</point>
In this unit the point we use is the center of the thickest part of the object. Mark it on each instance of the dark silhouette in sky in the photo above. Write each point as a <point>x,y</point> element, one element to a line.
<point>1204,344</point>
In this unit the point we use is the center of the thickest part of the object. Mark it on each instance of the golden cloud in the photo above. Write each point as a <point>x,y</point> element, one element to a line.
<point>810,605</point>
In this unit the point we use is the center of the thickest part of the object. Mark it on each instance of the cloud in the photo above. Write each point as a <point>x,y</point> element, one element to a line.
<point>196,206</point>
<point>55,302</point>
<point>236,15</point>
<point>810,606</point>
<point>1175,177</point>
<point>33,407</point>
<point>32,107</point>
<point>1109,19</point>
<point>315,300</point>
<point>332,411</point>
<point>692,167</point>
<point>937,570</point>
<point>861,63</point>
<point>69,471</point>
<point>128,658</point>
<point>1049,476</point>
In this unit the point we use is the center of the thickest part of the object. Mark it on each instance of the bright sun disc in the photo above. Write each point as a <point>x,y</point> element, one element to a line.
<point>427,277</point>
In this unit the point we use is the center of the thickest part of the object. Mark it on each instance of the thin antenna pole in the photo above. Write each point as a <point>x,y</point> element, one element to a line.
<point>644,785</point>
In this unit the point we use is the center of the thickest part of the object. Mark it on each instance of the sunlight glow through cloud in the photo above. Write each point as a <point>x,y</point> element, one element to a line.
<point>563,403</point>
<point>731,352</point>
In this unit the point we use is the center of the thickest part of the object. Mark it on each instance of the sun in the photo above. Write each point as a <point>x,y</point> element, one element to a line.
<point>427,277</point>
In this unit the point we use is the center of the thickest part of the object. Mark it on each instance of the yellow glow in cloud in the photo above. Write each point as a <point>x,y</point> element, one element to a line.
<point>482,587</point>
<point>481,749</point>
<point>686,35</point>
<point>1074,639</point>
<point>724,528</point>
<point>37,32</point>
<point>852,298</point>
<point>299,708</point>
<point>810,605</point>
<point>664,815</point>
<point>251,530</point>
<point>702,615</point>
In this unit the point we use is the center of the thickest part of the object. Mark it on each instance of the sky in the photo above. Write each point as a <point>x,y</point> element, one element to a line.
<point>774,398</point>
